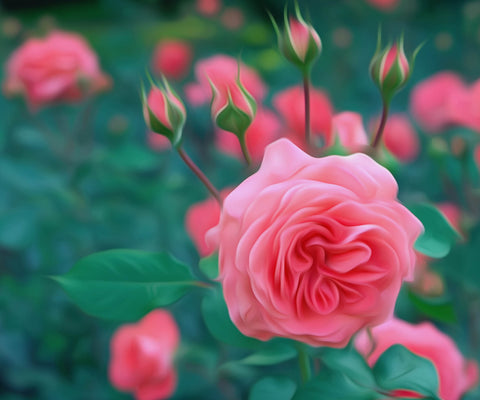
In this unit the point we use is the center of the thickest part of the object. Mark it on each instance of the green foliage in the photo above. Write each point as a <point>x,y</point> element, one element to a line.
<point>124,285</point>
<point>278,388</point>
<point>439,236</point>
<point>209,266</point>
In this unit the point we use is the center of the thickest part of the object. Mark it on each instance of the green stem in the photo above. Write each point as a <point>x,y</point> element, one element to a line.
<point>306,91</point>
<point>381,127</point>
<point>243,145</point>
<point>304,363</point>
<point>200,175</point>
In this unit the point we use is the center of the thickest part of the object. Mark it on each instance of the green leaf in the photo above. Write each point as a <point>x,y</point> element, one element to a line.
<point>217,319</point>
<point>209,266</point>
<point>439,308</point>
<point>398,368</point>
<point>124,285</point>
<point>439,235</point>
<point>273,388</point>
<point>334,385</point>
<point>17,228</point>
<point>271,353</point>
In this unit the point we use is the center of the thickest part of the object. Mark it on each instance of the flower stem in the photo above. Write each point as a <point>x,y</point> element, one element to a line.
<point>306,91</point>
<point>213,191</point>
<point>381,127</point>
<point>243,145</point>
<point>304,363</point>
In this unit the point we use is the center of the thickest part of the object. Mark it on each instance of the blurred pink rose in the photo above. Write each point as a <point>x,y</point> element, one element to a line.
<point>58,68</point>
<point>233,18</point>
<point>208,7</point>
<point>386,5</point>
<point>348,127</point>
<point>456,375</point>
<point>465,107</point>
<point>142,357</point>
<point>313,249</point>
<point>200,218</point>
<point>290,104</point>
<point>435,101</point>
<point>399,137</point>
<point>222,71</point>
<point>157,142</point>
<point>452,213</point>
<point>172,58</point>
<point>264,129</point>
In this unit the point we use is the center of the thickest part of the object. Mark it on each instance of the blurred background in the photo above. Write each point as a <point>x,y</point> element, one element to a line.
<point>83,177</point>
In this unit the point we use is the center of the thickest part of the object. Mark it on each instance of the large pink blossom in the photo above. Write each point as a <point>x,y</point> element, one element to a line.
<point>456,375</point>
<point>313,249</point>
<point>142,357</point>
<point>58,68</point>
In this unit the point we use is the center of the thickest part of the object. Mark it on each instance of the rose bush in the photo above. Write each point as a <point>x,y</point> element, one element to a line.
<point>313,249</point>
<point>142,357</point>
<point>59,67</point>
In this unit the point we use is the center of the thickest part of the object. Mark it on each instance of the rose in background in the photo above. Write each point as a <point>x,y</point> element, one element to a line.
<point>385,5</point>
<point>348,129</point>
<point>290,105</point>
<point>142,357</point>
<point>61,67</point>
<point>456,375</point>
<point>313,249</point>
<point>222,71</point>
<point>172,58</point>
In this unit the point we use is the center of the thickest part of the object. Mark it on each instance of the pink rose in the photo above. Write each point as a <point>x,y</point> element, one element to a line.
<point>465,107</point>
<point>313,249</point>
<point>263,131</point>
<point>208,7</point>
<point>58,68</point>
<point>434,101</point>
<point>456,375</point>
<point>172,58</point>
<point>348,128</point>
<point>386,5</point>
<point>142,357</point>
<point>290,104</point>
<point>233,18</point>
<point>399,137</point>
<point>157,142</point>
<point>222,71</point>
<point>200,218</point>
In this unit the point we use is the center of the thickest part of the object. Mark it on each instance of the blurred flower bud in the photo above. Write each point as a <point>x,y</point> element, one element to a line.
<point>164,112</point>
<point>233,107</point>
<point>390,68</point>
<point>299,42</point>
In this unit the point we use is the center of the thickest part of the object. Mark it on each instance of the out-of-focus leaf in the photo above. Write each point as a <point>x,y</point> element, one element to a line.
<point>209,266</point>
<point>126,284</point>
<point>274,388</point>
<point>271,353</point>
<point>439,236</point>
<point>17,228</point>
<point>439,308</point>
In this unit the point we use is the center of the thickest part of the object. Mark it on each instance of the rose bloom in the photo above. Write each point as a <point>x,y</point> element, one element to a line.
<point>58,68</point>
<point>208,7</point>
<point>313,249</point>
<point>291,106</point>
<point>399,137</point>
<point>456,375</point>
<point>172,58</point>
<point>433,102</point>
<point>386,5</point>
<point>200,218</point>
<point>264,129</point>
<point>348,128</point>
<point>142,357</point>
<point>222,71</point>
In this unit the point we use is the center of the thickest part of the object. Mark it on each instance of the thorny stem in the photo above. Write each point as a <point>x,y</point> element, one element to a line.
<point>381,127</point>
<point>213,191</point>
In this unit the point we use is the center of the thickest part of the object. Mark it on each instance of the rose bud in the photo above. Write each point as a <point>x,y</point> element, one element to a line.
<point>142,357</point>
<point>299,42</point>
<point>233,107</point>
<point>164,112</point>
<point>172,58</point>
<point>390,68</point>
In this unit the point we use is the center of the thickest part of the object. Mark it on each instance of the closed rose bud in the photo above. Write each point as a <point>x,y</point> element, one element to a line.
<point>390,68</point>
<point>164,112</point>
<point>233,107</point>
<point>299,42</point>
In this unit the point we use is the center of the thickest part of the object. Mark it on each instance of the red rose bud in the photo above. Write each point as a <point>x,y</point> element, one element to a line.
<point>299,42</point>
<point>390,68</point>
<point>164,112</point>
<point>233,107</point>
